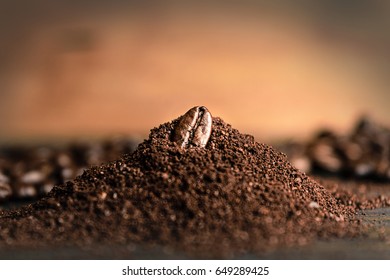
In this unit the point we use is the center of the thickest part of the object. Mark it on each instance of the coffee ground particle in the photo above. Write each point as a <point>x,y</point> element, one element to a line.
<point>234,197</point>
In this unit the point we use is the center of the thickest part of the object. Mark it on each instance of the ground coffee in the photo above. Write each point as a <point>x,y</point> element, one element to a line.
<point>233,197</point>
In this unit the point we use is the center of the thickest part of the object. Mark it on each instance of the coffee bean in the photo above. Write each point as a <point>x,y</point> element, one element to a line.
<point>32,171</point>
<point>5,190</point>
<point>363,153</point>
<point>324,155</point>
<point>3,178</point>
<point>364,169</point>
<point>46,188</point>
<point>26,191</point>
<point>194,128</point>
<point>33,177</point>
<point>67,174</point>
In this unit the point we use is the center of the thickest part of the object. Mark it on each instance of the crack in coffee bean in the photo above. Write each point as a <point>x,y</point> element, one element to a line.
<point>194,128</point>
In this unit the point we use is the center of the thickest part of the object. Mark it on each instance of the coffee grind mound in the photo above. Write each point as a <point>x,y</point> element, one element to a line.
<point>233,197</point>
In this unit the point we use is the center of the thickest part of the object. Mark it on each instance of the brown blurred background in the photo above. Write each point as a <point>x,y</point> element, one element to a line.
<point>94,68</point>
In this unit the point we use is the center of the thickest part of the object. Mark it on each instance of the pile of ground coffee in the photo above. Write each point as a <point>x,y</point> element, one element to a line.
<point>357,193</point>
<point>234,196</point>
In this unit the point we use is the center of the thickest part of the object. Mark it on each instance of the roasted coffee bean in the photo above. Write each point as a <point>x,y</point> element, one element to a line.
<point>33,177</point>
<point>26,191</point>
<point>5,191</point>
<point>3,178</point>
<point>324,156</point>
<point>194,128</point>
<point>28,172</point>
<point>365,152</point>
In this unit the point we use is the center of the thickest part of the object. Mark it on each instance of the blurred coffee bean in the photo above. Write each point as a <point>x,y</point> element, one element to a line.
<point>303,163</point>
<point>46,188</point>
<point>3,178</point>
<point>64,159</point>
<point>364,169</point>
<point>352,151</point>
<point>28,172</point>
<point>324,152</point>
<point>67,174</point>
<point>33,177</point>
<point>364,153</point>
<point>5,191</point>
<point>324,156</point>
<point>26,191</point>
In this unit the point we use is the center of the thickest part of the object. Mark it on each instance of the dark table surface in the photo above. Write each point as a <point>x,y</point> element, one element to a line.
<point>374,246</point>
